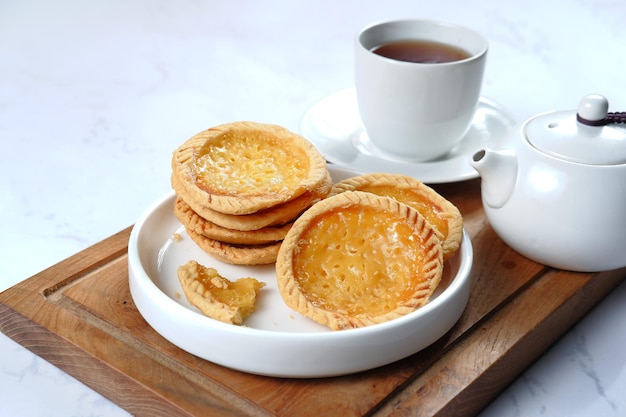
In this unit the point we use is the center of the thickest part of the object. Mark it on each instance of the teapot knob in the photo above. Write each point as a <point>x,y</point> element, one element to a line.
<point>592,110</point>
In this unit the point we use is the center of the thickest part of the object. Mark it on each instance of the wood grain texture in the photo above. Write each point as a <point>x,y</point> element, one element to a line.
<point>79,315</point>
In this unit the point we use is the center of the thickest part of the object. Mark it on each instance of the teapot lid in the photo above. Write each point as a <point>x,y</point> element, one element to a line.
<point>591,136</point>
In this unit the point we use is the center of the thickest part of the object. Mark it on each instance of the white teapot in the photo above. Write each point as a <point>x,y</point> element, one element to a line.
<point>557,195</point>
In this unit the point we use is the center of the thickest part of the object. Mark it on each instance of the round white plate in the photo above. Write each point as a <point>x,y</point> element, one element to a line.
<point>334,126</point>
<point>275,340</point>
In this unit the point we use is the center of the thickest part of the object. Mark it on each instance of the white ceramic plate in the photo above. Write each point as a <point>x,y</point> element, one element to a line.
<point>334,126</point>
<point>275,341</point>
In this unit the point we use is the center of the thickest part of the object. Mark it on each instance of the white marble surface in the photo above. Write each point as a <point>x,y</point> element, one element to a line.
<point>95,95</point>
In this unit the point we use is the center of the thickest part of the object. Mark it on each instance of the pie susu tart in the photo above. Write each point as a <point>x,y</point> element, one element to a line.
<point>441,213</point>
<point>356,259</point>
<point>192,221</point>
<point>216,296</point>
<point>245,167</point>
<point>235,254</point>
<point>274,216</point>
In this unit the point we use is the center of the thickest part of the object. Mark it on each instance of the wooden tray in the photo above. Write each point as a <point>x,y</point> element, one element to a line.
<point>79,315</point>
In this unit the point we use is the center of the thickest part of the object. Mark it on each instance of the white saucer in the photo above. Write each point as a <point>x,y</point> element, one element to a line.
<point>334,126</point>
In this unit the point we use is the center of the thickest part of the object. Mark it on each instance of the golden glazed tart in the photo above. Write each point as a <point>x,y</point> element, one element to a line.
<point>440,212</point>
<point>216,296</point>
<point>245,167</point>
<point>357,259</point>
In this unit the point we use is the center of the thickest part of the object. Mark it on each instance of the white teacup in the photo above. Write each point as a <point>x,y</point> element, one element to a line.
<point>418,111</point>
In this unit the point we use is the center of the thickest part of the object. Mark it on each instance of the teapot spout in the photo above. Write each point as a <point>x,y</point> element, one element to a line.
<point>498,173</point>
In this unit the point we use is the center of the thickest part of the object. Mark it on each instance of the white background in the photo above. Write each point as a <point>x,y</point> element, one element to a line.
<point>94,96</point>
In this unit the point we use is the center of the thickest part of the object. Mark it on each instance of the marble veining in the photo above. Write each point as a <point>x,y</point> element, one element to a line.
<point>582,375</point>
<point>94,96</point>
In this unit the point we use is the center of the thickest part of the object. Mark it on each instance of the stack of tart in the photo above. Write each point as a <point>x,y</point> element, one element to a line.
<point>240,186</point>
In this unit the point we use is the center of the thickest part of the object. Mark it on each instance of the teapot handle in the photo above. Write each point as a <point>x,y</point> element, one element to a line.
<point>592,111</point>
<point>616,117</point>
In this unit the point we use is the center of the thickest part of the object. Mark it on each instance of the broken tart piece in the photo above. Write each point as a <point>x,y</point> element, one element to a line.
<point>218,297</point>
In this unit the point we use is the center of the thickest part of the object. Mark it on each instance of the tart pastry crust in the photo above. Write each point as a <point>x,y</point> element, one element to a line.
<point>273,216</point>
<point>356,259</point>
<point>192,221</point>
<point>236,254</point>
